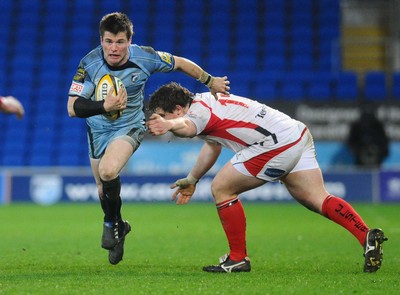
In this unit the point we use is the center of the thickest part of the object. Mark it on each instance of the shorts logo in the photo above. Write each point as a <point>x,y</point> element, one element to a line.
<point>165,57</point>
<point>77,88</point>
<point>274,173</point>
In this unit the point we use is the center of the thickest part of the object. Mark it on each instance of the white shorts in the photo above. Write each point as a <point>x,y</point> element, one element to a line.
<point>271,165</point>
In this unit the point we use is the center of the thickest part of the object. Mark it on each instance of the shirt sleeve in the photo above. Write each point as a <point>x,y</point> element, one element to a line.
<point>81,84</point>
<point>153,61</point>
<point>199,114</point>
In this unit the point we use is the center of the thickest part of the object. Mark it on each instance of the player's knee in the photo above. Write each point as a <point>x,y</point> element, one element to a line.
<point>217,191</point>
<point>107,173</point>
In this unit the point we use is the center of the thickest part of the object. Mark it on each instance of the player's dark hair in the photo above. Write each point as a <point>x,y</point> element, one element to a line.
<point>168,96</point>
<point>115,23</point>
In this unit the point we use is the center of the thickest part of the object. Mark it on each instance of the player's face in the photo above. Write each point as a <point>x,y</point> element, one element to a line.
<point>115,48</point>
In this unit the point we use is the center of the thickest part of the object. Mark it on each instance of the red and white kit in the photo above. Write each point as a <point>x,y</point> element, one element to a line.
<point>268,143</point>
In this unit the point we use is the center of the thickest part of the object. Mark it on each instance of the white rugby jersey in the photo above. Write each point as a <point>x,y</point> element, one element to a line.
<point>237,122</point>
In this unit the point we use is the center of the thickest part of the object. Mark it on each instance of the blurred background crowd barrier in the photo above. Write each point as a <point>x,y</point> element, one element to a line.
<point>320,61</point>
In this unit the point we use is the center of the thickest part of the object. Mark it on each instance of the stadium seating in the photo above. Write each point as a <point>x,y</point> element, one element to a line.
<point>396,85</point>
<point>271,50</point>
<point>375,85</point>
<point>346,86</point>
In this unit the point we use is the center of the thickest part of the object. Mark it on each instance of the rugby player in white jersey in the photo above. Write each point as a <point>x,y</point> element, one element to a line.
<point>269,146</point>
<point>112,141</point>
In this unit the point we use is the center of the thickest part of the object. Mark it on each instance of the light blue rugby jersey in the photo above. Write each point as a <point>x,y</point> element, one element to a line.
<point>143,61</point>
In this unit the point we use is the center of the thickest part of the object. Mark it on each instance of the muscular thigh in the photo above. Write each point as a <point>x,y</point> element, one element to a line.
<point>229,182</point>
<point>115,158</point>
<point>307,187</point>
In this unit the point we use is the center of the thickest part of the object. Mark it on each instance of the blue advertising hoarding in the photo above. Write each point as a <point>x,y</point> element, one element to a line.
<point>2,189</point>
<point>50,188</point>
<point>390,186</point>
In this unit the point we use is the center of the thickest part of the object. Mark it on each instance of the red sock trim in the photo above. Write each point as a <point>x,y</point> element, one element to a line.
<point>227,203</point>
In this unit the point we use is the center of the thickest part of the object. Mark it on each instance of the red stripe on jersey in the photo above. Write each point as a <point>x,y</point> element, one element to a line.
<point>254,165</point>
<point>218,127</point>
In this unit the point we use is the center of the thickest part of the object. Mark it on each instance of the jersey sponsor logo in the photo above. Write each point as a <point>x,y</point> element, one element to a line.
<point>76,87</point>
<point>165,57</point>
<point>80,75</point>
<point>224,102</point>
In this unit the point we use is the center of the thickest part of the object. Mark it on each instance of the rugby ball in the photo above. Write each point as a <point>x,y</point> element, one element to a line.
<point>103,87</point>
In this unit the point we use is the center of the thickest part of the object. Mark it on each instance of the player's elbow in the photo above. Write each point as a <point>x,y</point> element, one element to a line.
<point>70,107</point>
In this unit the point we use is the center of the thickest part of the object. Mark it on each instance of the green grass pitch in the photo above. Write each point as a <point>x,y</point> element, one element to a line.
<point>56,250</point>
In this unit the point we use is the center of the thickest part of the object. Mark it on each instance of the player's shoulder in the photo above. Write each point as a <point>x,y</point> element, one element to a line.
<point>94,56</point>
<point>146,54</point>
<point>203,96</point>
<point>141,50</point>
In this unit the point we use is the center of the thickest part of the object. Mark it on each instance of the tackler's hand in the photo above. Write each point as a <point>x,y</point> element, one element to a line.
<point>158,125</point>
<point>186,188</point>
<point>220,85</point>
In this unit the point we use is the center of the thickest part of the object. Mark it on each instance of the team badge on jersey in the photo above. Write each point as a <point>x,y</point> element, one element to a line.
<point>80,75</point>
<point>165,57</point>
<point>134,78</point>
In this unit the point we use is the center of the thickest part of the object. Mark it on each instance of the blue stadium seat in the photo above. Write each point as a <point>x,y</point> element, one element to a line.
<point>301,62</point>
<point>301,18</point>
<point>70,159</point>
<point>240,82</point>
<point>375,85</point>
<point>275,18</point>
<point>40,159</point>
<point>320,91</point>
<point>14,159</point>
<point>320,87</point>
<point>218,63</point>
<point>245,62</point>
<point>328,32</point>
<point>346,88</point>
<point>275,47</point>
<point>302,33</point>
<point>292,86</point>
<point>301,47</point>
<point>247,43</point>
<point>274,33</point>
<point>14,146</point>
<point>396,85</point>
<point>328,17</point>
<point>265,91</point>
<point>274,62</point>
<point>292,91</point>
<point>274,5</point>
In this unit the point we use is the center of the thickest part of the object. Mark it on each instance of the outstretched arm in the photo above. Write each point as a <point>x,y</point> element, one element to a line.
<point>216,84</point>
<point>186,187</point>
<point>180,127</point>
<point>11,105</point>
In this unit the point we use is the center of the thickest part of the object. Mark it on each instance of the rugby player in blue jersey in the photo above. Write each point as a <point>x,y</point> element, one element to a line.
<point>113,141</point>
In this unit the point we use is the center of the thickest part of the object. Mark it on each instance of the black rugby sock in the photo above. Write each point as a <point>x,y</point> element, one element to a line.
<point>111,192</point>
